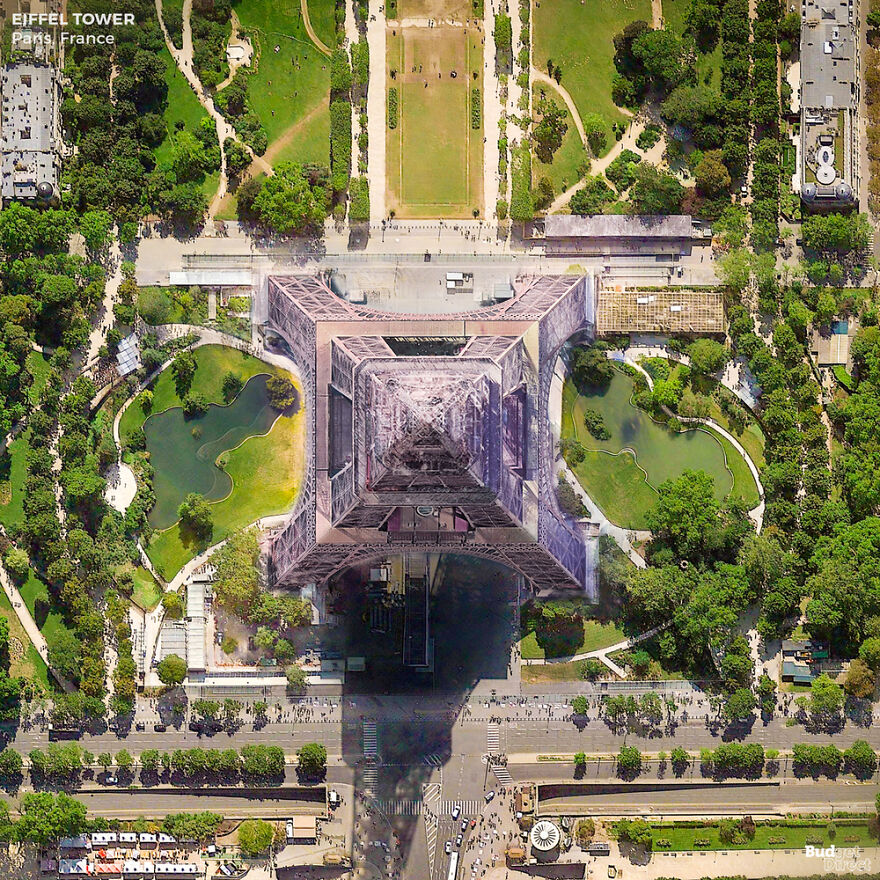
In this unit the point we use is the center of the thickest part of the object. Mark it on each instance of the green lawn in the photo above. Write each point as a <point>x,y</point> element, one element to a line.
<point>266,473</point>
<point>26,663</point>
<point>596,635</point>
<point>565,169</point>
<point>147,592</point>
<point>611,474</point>
<point>36,596</point>
<point>744,485</point>
<point>38,367</point>
<point>183,106</point>
<point>13,471</point>
<point>674,16</point>
<point>683,839</point>
<point>293,82</point>
<point>577,35</point>
<point>214,361</point>
<point>434,156</point>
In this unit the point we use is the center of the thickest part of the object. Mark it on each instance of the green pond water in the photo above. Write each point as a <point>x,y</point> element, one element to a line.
<point>663,453</point>
<point>184,463</point>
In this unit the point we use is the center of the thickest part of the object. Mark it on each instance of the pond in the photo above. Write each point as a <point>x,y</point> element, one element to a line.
<point>657,450</point>
<point>184,451</point>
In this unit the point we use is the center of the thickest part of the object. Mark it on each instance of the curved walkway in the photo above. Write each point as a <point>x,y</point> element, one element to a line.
<point>601,654</point>
<point>757,513</point>
<point>541,77</point>
<point>322,47</point>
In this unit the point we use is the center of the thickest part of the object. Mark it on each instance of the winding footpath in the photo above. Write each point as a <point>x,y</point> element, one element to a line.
<point>541,77</point>
<point>322,47</point>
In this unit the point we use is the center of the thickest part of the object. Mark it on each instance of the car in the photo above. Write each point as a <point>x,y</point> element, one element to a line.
<point>473,823</point>
<point>196,726</point>
<point>489,795</point>
<point>612,871</point>
<point>456,812</point>
<point>288,829</point>
<point>458,840</point>
<point>464,824</point>
<point>140,726</point>
<point>111,780</point>
<point>333,798</point>
<point>448,847</point>
<point>160,728</point>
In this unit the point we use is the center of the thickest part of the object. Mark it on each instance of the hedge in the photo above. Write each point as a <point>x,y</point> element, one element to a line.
<point>340,72</point>
<point>392,108</point>
<point>522,208</point>
<point>340,145</point>
<point>360,63</point>
<point>476,109</point>
<point>359,191</point>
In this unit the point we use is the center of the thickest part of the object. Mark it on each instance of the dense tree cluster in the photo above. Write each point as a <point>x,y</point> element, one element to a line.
<point>234,104</point>
<point>292,201</point>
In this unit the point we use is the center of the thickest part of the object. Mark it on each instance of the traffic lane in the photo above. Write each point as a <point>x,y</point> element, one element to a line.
<point>718,799</point>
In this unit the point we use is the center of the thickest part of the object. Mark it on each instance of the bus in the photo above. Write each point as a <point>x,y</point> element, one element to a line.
<point>453,866</point>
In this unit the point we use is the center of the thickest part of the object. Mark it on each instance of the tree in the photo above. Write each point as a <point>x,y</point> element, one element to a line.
<point>595,130</point>
<point>46,817</point>
<point>146,402</point>
<point>662,55</point>
<point>584,831</point>
<point>870,652</point>
<point>195,514</point>
<point>591,368</point>
<point>11,764</point>
<point>859,679</point>
<point>860,759</point>
<point>171,670</point>
<point>255,836</point>
<point>65,654</point>
<point>150,760</point>
<point>173,605</point>
<point>711,175</point>
<point>232,384</point>
<point>288,203</point>
<point>636,831</point>
<point>592,197</point>
<point>297,679</point>
<point>679,759</point>
<point>94,227</point>
<point>236,584</point>
<point>549,131</point>
<point>629,761</point>
<point>707,355</point>
<point>312,759</point>
<point>826,697</point>
<point>17,563</point>
<point>740,705</point>
<point>685,514</point>
<point>183,370</point>
<point>654,191</point>
<point>282,392</point>
<point>579,705</point>
<point>124,760</point>
<point>105,760</point>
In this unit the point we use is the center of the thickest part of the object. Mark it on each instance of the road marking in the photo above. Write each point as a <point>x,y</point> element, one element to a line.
<point>371,740</point>
<point>502,774</point>
<point>431,800</point>
<point>400,808</point>
<point>493,738</point>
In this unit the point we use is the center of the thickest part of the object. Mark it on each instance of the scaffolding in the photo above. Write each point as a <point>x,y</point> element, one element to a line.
<point>659,311</point>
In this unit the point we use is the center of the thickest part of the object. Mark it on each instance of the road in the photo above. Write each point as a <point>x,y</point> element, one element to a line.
<point>720,800</point>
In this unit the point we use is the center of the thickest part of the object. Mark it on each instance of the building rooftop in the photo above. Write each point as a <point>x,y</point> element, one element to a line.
<point>30,160</point>
<point>828,56</point>
<point>618,226</point>
<point>659,311</point>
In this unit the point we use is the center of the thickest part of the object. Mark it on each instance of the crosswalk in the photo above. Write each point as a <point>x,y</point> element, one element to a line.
<point>471,807</point>
<point>493,739</point>
<point>371,740</point>
<point>370,780</point>
<point>432,760</point>
<point>400,808</point>
<point>431,792</point>
<point>502,774</point>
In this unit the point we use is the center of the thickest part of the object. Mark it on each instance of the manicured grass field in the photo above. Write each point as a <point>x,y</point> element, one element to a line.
<point>214,361</point>
<point>294,81</point>
<point>266,473</point>
<point>434,156</point>
<point>683,839</point>
<point>577,35</point>
<point>565,169</point>
<point>13,471</point>
<point>613,476</point>
<point>35,593</point>
<point>147,592</point>
<point>38,367</point>
<point>596,635</point>
<point>457,9</point>
<point>28,664</point>
<point>183,106</point>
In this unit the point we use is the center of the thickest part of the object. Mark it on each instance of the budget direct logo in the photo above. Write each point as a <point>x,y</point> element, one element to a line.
<point>843,860</point>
